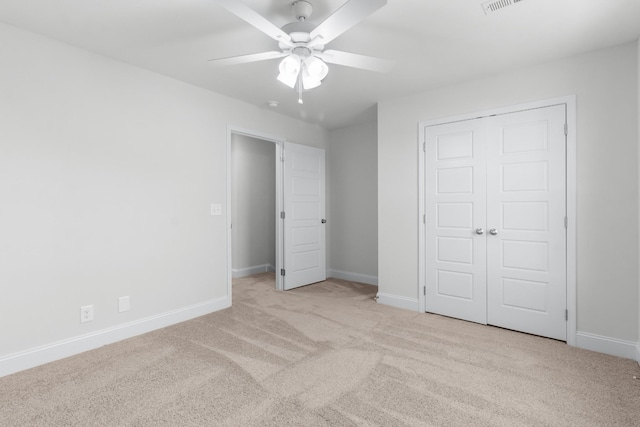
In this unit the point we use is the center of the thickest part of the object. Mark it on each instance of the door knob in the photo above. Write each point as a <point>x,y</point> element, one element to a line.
<point>493,232</point>
<point>479,231</point>
<point>324,221</point>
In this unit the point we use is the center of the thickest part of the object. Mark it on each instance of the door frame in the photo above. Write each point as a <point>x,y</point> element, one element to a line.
<point>571,183</point>
<point>279,144</point>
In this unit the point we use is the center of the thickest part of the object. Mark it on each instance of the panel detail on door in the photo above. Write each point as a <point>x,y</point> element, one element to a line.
<point>525,216</point>
<point>525,294</point>
<point>455,284</point>
<point>525,255</point>
<point>455,180</point>
<point>455,249</point>
<point>455,146</point>
<point>305,211</point>
<point>305,236</point>
<point>525,177</point>
<point>524,137</point>
<point>306,261</point>
<point>306,186</point>
<point>304,162</point>
<point>455,215</point>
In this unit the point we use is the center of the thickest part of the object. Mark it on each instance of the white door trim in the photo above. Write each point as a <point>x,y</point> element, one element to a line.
<point>571,180</point>
<point>279,142</point>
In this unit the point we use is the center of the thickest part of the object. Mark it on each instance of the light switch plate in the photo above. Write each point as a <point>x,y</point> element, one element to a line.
<point>216,209</point>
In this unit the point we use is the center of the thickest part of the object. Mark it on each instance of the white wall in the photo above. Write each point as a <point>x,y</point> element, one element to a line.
<point>605,83</point>
<point>253,200</point>
<point>107,173</point>
<point>638,70</point>
<point>353,214</point>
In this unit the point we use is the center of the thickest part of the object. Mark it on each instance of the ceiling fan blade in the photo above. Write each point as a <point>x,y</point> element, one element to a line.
<point>356,61</point>
<point>244,12</point>
<point>346,17</point>
<point>243,59</point>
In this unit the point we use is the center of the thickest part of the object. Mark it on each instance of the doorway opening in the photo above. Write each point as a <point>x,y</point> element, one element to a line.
<point>299,211</point>
<point>254,202</point>
<point>253,196</point>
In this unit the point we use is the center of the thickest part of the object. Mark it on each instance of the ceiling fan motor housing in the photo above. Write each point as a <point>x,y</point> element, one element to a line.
<point>301,10</point>
<point>299,32</point>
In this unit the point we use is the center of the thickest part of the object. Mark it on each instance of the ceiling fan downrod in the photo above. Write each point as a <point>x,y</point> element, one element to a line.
<point>301,10</point>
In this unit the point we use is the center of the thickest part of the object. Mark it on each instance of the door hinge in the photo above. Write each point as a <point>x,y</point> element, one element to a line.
<point>424,219</point>
<point>424,147</point>
<point>566,222</point>
<point>282,271</point>
<point>424,290</point>
<point>282,214</point>
<point>566,315</point>
<point>566,129</point>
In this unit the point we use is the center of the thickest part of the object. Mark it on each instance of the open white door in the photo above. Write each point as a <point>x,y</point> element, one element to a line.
<point>304,219</point>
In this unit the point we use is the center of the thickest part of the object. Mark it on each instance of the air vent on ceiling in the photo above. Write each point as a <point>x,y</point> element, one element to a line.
<point>496,5</point>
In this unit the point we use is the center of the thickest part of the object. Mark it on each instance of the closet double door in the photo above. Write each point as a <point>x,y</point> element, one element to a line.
<point>496,220</point>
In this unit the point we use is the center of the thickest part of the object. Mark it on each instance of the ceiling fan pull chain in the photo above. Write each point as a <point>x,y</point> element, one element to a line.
<point>300,87</point>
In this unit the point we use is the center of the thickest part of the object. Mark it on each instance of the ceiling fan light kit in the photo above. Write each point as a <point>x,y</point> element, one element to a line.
<point>313,70</point>
<point>302,46</point>
<point>289,69</point>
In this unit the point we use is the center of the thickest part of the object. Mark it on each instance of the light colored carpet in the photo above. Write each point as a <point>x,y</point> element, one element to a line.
<point>325,355</point>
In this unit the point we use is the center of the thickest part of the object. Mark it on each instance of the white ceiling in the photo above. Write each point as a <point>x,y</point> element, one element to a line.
<point>434,43</point>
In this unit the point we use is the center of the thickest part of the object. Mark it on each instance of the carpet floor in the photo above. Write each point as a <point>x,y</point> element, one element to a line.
<point>325,355</point>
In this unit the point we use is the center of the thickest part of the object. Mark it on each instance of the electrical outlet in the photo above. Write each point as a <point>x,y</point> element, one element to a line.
<point>86,313</point>
<point>216,209</point>
<point>123,304</point>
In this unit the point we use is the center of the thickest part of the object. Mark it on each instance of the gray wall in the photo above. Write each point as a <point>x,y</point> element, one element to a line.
<point>605,83</point>
<point>253,194</point>
<point>353,215</point>
<point>107,174</point>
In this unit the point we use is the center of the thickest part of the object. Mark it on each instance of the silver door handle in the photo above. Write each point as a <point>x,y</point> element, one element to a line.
<point>493,232</point>
<point>479,231</point>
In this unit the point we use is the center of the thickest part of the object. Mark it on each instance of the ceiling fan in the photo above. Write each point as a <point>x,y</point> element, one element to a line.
<point>302,46</point>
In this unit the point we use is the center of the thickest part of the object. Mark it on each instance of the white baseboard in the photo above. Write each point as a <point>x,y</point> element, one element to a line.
<point>249,271</point>
<point>58,350</point>
<point>399,301</point>
<point>612,346</point>
<point>353,277</point>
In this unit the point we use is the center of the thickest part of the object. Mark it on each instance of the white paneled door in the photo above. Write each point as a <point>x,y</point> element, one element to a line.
<point>496,206</point>
<point>456,218</point>
<point>526,244</point>
<point>304,222</point>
